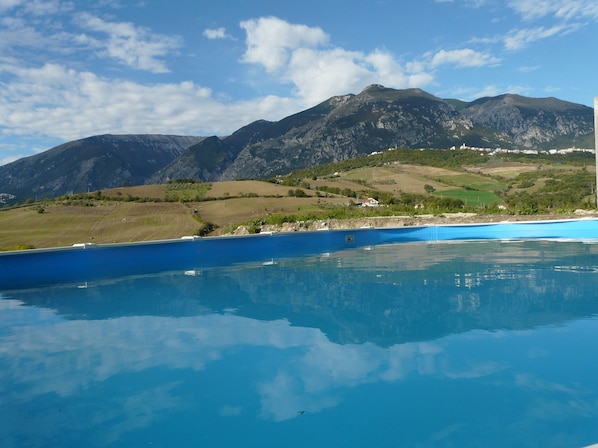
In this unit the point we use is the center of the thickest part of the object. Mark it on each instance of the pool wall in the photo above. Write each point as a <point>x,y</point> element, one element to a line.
<point>86,262</point>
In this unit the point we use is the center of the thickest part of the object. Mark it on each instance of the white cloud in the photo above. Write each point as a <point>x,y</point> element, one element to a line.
<point>517,39</point>
<point>14,33</point>
<point>270,41</point>
<point>8,4</point>
<point>42,97</point>
<point>463,58</point>
<point>27,41</point>
<point>134,46</point>
<point>387,68</point>
<point>473,93</point>
<point>216,33</point>
<point>44,8</point>
<point>317,75</point>
<point>561,9</point>
<point>303,57</point>
<point>55,101</point>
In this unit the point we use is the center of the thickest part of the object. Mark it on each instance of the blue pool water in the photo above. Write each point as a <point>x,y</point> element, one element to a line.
<point>454,344</point>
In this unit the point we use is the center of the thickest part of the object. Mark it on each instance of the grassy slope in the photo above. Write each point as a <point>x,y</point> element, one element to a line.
<point>241,201</point>
<point>105,222</point>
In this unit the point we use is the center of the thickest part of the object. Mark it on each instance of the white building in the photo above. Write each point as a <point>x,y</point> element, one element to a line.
<point>370,202</point>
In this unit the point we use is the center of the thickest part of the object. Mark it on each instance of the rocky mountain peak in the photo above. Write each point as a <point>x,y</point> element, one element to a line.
<point>339,128</point>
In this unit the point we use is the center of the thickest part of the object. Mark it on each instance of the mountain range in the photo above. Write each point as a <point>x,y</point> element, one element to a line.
<point>339,128</point>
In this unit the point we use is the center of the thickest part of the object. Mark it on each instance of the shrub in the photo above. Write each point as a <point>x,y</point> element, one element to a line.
<point>206,228</point>
<point>255,226</point>
<point>23,247</point>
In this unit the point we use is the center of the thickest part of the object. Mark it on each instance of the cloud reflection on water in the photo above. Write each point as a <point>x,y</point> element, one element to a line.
<point>64,357</point>
<point>300,350</point>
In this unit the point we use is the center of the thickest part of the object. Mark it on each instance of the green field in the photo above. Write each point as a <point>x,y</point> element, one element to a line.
<point>473,181</point>
<point>473,198</point>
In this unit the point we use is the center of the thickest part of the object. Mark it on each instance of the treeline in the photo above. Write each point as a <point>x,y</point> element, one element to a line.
<point>338,191</point>
<point>549,191</point>
<point>405,204</point>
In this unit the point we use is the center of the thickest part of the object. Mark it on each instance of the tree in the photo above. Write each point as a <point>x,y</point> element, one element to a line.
<point>429,188</point>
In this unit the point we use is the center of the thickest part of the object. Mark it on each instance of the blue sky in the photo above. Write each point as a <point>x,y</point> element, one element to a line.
<point>74,68</point>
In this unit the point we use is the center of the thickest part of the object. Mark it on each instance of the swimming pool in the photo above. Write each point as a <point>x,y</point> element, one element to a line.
<point>85,261</point>
<point>342,340</point>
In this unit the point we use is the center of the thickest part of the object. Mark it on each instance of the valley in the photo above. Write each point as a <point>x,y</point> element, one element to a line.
<point>418,191</point>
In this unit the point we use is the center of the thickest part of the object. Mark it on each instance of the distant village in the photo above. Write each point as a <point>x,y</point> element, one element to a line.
<point>494,151</point>
<point>522,151</point>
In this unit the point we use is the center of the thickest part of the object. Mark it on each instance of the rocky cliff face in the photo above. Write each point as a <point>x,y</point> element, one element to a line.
<point>530,123</point>
<point>379,118</point>
<point>339,128</point>
<point>376,119</point>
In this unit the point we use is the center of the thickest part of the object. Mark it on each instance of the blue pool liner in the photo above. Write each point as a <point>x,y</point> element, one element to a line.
<point>86,262</point>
